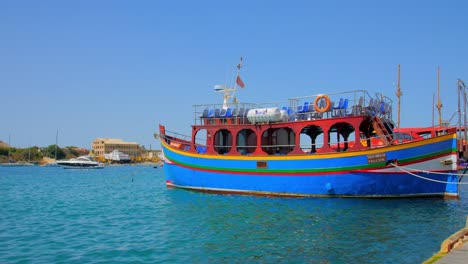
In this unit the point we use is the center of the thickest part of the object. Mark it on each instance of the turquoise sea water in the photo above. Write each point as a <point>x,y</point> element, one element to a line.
<point>126,214</point>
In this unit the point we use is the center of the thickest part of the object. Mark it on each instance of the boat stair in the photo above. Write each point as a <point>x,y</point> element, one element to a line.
<point>382,131</point>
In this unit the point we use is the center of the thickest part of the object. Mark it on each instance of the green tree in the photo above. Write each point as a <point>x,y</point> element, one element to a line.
<point>50,152</point>
<point>3,151</point>
<point>72,151</point>
<point>31,154</point>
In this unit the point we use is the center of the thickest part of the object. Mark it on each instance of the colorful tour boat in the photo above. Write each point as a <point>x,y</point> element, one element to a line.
<point>324,145</point>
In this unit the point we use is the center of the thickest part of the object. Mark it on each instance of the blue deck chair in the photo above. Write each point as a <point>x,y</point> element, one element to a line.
<point>228,112</point>
<point>291,114</point>
<point>216,112</point>
<point>210,113</point>
<point>337,108</point>
<point>344,107</point>
<point>201,149</point>
<point>305,108</point>
<point>222,113</point>
<point>235,112</point>
<point>340,104</point>
<point>239,114</point>
<point>205,113</point>
<point>225,114</point>
<point>382,108</point>
<point>345,103</point>
<point>300,109</point>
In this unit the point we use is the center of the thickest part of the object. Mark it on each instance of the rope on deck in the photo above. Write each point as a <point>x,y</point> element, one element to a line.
<point>429,179</point>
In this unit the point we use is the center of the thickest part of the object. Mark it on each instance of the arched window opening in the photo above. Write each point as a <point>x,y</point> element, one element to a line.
<point>368,137</point>
<point>222,141</point>
<point>341,136</point>
<point>200,141</point>
<point>311,139</point>
<point>246,141</point>
<point>278,141</point>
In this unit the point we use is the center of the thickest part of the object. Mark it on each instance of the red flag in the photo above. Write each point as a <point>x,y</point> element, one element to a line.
<point>240,82</point>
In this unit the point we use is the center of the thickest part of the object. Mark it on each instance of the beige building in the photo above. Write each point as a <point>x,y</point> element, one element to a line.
<point>101,146</point>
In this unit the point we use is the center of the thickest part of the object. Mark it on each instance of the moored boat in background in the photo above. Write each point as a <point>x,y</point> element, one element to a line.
<point>17,164</point>
<point>82,162</point>
<point>117,157</point>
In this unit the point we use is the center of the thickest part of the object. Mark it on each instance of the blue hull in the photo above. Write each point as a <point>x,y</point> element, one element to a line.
<point>346,184</point>
<point>357,174</point>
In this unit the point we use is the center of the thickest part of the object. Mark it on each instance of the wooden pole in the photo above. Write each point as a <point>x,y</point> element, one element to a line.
<point>439,103</point>
<point>398,94</point>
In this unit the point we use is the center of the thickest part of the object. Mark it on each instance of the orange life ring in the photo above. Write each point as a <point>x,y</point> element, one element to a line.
<point>317,103</point>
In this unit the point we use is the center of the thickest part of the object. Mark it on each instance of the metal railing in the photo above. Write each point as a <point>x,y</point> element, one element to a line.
<point>359,102</point>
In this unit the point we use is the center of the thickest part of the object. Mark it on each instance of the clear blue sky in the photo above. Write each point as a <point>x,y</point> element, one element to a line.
<point>119,68</point>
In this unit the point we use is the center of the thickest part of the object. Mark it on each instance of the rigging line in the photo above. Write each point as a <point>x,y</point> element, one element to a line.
<point>433,172</point>
<point>429,179</point>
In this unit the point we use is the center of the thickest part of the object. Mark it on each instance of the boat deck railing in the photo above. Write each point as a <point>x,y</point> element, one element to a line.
<point>338,105</point>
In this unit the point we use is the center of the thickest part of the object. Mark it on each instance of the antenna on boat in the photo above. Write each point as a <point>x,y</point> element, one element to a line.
<point>398,94</point>
<point>439,103</point>
<point>230,92</point>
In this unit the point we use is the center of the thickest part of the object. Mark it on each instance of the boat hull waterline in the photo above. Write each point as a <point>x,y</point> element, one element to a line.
<point>365,173</point>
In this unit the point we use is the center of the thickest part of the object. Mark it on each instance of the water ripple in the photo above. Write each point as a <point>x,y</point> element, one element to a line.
<point>101,216</point>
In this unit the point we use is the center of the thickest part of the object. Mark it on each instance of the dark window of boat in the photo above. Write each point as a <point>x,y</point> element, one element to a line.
<point>246,141</point>
<point>223,141</point>
<point>278,141</point>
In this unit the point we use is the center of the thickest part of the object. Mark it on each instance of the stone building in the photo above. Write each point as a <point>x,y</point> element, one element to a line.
<point>101,146</point>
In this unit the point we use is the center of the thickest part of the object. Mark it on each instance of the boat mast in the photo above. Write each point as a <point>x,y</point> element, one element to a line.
<point>230,92</point>
<point>462,92</point>
<point>433,104</point>
<point>56,142</point>
<point>9,147</point>
<point>239,66</point>
<point>439,103</point>
<point>398,94</point>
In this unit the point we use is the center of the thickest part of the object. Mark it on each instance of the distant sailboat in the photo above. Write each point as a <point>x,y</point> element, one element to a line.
<point>54,164</point>
<point>12,163</point>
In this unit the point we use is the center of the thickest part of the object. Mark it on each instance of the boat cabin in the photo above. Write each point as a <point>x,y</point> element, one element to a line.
<point>323,123</point>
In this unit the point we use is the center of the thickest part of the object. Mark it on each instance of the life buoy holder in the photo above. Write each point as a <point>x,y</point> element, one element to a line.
<point>319,107</point>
